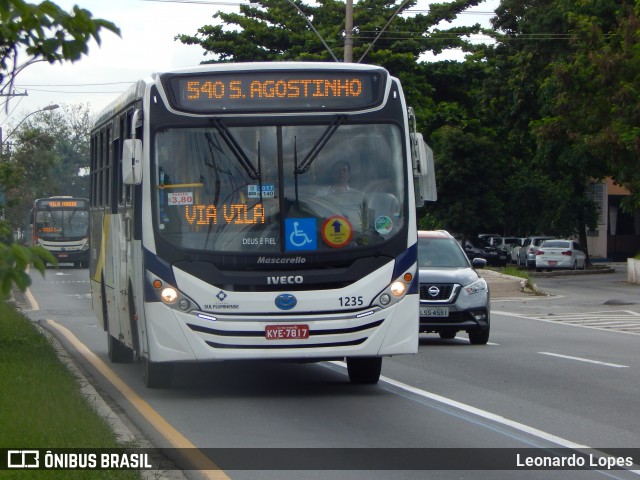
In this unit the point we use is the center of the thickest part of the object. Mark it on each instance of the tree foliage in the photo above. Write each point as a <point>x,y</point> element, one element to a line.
<point>271,30</point>
<point>43,32</point>
<point>50,155</point>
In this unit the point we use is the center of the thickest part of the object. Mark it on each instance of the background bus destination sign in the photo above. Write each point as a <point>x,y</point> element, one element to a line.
<point>63,203</point>
<point>276,91</point>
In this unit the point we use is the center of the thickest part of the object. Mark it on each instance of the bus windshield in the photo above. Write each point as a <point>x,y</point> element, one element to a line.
<point>283,188</point>
<point>61,224</point>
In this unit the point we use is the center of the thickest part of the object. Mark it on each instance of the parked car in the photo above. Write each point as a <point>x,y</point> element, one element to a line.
<point>527,254</point>
<point>560,253</point>
<point>515,250</point>
<point>453,297</point>
<point>505,243</point>
<point>488,237</point>
<point>478,248</point>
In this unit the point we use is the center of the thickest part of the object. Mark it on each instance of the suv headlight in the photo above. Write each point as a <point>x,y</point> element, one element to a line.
<point>478,286</point>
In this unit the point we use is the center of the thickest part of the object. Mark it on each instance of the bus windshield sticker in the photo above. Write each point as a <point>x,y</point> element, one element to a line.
<point>180,198</point>
<point>337,231</point>
<point>300,234</point>
<point>259,241</point>
<point>384,225</point>
<point>268,191</point>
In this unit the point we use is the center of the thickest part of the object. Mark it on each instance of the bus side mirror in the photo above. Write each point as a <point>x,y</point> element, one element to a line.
<point>423,170</point>
<point>132,162</point>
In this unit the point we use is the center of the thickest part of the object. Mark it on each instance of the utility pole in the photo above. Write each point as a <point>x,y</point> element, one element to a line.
<point>348,32</point>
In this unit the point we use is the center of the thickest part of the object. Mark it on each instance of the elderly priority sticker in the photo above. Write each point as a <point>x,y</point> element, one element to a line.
<point>337,231</point>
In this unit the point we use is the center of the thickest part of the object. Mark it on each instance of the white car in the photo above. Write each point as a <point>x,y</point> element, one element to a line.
<point>558,253</point>
<point>508,244</point>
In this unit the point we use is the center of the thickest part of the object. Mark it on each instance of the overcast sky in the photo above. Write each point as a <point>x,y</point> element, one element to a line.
<point>146,45</point>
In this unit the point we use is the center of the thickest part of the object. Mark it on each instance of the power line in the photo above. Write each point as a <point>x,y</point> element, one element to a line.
<point>23,85</point>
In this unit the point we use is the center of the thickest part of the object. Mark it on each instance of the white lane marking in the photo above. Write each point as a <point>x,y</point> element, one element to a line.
<point>583,320</point>
<point>465,339</point>
<point>597,362</point>
<point>479,412</point>
<point>485,414</point>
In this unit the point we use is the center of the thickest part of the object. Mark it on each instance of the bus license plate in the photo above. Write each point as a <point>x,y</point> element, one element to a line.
<point>434,311</point>
<point>286,332</point>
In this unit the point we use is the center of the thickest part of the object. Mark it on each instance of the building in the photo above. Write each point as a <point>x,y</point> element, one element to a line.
<point>617,236</point>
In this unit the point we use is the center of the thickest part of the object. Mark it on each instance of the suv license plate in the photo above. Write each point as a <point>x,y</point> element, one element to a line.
<point>434,312</point>
<point>286,332</point>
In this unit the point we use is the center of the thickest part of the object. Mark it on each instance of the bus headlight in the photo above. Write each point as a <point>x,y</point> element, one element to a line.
<point>170,295</point>
<point>395,291</point>
<point>398,289</point>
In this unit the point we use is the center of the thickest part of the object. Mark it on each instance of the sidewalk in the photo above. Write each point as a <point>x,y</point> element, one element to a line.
<point>504,286</point>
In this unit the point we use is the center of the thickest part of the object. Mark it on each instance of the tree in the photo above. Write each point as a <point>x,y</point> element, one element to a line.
<point>51,157</point>
<point>42,32</point>
<point>271,30</point>
<point>592,97</point>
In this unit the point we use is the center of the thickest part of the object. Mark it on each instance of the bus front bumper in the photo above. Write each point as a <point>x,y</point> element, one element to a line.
<point>201,337</point>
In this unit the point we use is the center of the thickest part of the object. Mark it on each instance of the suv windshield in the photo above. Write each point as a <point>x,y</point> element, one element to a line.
<point>440,252</point>
<point>230,189</point>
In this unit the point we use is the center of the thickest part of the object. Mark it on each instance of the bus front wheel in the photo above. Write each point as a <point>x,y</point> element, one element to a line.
<point>364,370</point>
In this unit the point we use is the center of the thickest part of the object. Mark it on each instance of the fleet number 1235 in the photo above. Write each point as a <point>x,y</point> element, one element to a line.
<point>351,301</point>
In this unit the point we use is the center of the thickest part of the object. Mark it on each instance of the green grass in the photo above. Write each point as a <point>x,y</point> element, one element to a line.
<point>40,402</point>
<point>514,271</point>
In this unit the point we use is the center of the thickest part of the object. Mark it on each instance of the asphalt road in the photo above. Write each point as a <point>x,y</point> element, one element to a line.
<point>553,375</point>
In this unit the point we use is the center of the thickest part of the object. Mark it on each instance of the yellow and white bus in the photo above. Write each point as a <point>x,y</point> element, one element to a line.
<point>219,231</point>
<point>61,225</point>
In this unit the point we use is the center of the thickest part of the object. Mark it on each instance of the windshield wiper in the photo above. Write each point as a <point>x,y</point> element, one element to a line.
<point>236,149</point>
<point>322,141</point>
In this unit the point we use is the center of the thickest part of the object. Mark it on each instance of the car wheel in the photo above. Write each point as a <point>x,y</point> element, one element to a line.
<point>538,269</point>
<point>479,337</point>
<point>364,370</point>
<point>447,334</point>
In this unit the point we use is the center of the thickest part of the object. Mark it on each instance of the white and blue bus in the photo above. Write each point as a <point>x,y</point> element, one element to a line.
<point>260,211</point>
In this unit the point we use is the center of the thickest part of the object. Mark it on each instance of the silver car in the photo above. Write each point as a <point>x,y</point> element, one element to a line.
<point>453,297</point>
<point>527,253</point>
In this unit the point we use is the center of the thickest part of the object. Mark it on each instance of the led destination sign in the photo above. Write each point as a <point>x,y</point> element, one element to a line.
<point>277,91</point>
<point>63,203</point>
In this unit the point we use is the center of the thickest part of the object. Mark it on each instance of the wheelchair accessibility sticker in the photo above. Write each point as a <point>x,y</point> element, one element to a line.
<point>337,231</point>
<point>300,234</point>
